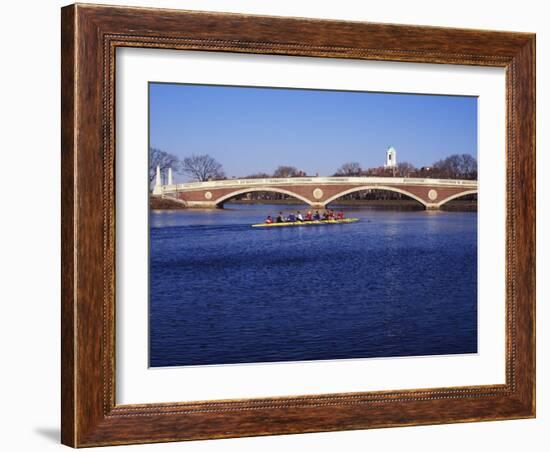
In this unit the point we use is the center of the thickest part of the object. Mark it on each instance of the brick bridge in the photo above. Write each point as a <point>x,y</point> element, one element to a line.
<point>318,192</point>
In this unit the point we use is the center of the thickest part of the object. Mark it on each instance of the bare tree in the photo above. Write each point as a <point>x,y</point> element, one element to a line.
<point>349,169</point>
<point>469,166</point>
<point>456,166</point>
<point>405,169</point>
<point>202,168</point>
<point>162,159</point>
<point>285,171</point>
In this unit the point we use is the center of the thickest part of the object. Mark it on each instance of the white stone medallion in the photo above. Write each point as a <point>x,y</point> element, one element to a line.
<point>318,193</point>
<point>208,195</point>
<point>432,194</point>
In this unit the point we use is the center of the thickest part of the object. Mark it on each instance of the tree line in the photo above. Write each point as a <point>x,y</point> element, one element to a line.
<point>203,167</point>
<point>456,166</point>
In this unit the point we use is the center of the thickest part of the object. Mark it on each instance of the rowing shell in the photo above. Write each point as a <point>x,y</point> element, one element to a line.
<point>305,223</point>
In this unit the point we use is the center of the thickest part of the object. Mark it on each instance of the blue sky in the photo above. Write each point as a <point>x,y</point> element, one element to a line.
<point>250,130</point>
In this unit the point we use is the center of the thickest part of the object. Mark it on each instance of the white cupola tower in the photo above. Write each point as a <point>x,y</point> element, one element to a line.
<point>391,158</point>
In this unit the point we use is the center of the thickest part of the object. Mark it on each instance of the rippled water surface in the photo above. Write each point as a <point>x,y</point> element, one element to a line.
<point>396,283</point>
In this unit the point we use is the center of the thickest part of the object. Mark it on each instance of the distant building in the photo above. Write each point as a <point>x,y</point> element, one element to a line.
<point>391,158</point>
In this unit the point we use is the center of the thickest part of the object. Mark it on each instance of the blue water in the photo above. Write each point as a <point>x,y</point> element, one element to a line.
<point>397,283</point>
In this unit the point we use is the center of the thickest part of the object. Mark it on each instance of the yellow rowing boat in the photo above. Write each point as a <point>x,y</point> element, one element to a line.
<point>305,223</point>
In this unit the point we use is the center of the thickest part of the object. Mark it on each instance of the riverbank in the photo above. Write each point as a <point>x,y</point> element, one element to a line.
<point>402,204</point>
<point>460,205</point>
<point>156,203</point>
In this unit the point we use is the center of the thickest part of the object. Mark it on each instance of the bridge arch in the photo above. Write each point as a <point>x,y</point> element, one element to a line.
<point>243,191</point>
<point>374,187</point>
<point>457,195</point>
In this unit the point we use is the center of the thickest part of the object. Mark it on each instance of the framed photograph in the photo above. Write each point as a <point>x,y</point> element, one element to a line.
<point>281,225</point>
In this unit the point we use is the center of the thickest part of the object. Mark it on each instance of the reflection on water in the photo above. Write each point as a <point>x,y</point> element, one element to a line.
<point>396,283</point>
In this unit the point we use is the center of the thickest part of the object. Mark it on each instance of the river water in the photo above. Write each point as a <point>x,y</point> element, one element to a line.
<point>396,283</point>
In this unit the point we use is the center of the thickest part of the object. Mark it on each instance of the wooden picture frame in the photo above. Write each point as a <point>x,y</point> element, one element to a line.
<point>90,36</point>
